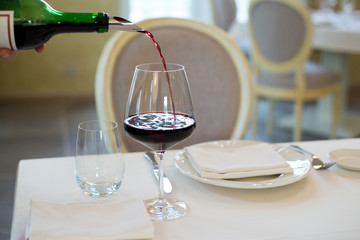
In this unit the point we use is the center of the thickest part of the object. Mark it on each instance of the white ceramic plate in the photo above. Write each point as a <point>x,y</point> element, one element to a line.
<point>300,163</point>
<point>346,158</point>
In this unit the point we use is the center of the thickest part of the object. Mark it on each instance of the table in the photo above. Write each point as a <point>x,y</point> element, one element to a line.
<point>324,205</point>
<point>336,32</point>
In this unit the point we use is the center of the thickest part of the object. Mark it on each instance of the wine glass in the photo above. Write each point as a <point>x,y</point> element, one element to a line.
<point>329,5</point>
<point>348,6</point>
<point>332,14</point>
<point>159,114</point>
<point>332,3</point>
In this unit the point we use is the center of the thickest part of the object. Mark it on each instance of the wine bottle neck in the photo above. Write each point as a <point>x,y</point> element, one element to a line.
<point>81,22</point>
<point>121,24</point>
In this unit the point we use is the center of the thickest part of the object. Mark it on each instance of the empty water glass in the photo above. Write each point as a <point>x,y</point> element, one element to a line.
<point>99,163</point>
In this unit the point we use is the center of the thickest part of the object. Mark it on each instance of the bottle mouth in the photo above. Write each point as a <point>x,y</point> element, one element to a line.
<point>122,24</point>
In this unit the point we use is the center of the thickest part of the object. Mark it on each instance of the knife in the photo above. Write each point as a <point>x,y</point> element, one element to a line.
<point>166,182</point>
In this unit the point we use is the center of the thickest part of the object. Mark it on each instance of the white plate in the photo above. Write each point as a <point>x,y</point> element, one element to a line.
<point>298,162</point>
<point>346,158</point>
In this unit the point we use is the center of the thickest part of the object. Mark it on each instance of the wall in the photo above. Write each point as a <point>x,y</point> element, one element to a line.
<point>67,66</point>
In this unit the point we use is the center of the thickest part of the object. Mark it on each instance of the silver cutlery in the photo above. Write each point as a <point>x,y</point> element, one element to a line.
<point>166,182</point>
<point>316,162</point>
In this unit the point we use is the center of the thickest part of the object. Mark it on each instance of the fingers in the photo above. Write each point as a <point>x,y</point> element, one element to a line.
<point>7,53</point>
<point>40,49</point>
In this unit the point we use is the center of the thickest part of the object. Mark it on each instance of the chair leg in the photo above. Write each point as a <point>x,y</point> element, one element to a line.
<point>254,119</point>
<point>335,115</point>
<point>270,119</point>
<point>297,120</point>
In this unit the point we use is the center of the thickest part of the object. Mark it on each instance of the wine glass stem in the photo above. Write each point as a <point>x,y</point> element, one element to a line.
<point>159,158</point>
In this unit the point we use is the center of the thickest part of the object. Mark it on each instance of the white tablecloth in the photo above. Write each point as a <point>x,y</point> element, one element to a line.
<point>336,32</point>
<point>324,205</point>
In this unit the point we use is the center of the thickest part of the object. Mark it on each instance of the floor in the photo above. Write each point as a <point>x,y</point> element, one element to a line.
<point>47,128</point>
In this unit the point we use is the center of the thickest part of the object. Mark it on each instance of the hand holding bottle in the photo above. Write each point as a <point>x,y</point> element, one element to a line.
<point>8,54</point>
<point>27,24</point>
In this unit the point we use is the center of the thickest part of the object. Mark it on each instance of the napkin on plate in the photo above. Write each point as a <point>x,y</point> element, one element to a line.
<point>79,221</point>
<point>230,162</point>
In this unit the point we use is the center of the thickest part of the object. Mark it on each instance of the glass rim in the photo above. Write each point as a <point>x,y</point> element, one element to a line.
<point>140,67</point>
<point>114,125</point>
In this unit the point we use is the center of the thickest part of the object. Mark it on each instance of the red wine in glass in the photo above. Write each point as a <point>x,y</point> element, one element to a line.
<point>157,130</point>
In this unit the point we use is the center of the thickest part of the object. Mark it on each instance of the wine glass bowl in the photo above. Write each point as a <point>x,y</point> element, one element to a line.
<point>159,114</point>
<point>348,6</point>
<point>332,3</point>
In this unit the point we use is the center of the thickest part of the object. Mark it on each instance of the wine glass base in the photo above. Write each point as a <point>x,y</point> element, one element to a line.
<point>165,209</point>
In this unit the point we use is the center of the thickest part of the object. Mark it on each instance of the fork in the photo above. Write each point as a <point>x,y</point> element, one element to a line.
<point>316,162</point>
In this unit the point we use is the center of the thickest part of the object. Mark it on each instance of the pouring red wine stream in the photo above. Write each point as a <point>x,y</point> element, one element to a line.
<point>151,36</point>
<point>135,28</point>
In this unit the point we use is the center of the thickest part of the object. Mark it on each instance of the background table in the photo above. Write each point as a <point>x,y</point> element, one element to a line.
<point>324,205</point>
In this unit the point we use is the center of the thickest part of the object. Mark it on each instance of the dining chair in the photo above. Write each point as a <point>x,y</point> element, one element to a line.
<point>218,74</point>
<point>281,35</point>
<point>224,13</point>
<point>224,16</point>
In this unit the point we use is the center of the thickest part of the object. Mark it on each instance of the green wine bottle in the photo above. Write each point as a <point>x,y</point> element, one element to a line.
<point>27,24</point>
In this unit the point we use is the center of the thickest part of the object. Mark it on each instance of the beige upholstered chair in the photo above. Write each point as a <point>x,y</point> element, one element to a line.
<point>224,13</point>
<point>281,35</point>
<point>218,73</point>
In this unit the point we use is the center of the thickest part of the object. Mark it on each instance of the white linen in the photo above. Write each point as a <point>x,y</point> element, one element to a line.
<point>237,162</point>
<point>79,221</point>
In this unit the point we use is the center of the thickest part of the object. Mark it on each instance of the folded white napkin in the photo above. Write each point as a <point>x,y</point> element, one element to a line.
<point>237,162</point>
<point>80,221</point>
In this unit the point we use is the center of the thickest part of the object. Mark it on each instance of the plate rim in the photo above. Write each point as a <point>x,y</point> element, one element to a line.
<point>241,185</point>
